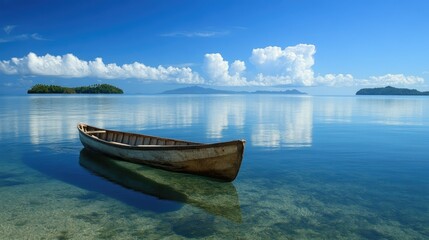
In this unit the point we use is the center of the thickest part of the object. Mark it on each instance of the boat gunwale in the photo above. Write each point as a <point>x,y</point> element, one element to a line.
<point>193,145</point>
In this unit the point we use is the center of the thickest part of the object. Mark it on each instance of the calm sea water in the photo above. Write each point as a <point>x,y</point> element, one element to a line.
<point>314,167</point>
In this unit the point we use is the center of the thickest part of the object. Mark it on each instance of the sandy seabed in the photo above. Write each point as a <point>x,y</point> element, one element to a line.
<point>41,208</point>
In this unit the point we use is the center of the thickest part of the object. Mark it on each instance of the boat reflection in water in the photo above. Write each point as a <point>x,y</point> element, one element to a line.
<point>218,198</point>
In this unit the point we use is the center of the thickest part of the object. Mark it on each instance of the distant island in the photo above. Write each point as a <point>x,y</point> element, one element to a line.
<point>92,89</point>
<point>201,90</point>
<point>390,91</point>
<point>196,90</point>
<point>293,91</point>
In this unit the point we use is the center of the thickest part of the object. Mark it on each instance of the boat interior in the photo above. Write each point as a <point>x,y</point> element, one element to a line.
<point>131,139</point>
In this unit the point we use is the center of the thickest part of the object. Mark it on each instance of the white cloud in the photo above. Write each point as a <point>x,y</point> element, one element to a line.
<point>276,66</point>
<point>291,65</point>
<point>220,73</point>
<point>21,37</point>
<point>203,34</point>
<point>272,66</point>
<point>270,54</point>
<point>62,66</point>
<point>347,80</point>
<point>335,80</point>
<point>69,66</point>
<point>391,79</point>
<point>237,67</point>
<point>271,80</point>
<point>7,29</point>
<point>36,36</point>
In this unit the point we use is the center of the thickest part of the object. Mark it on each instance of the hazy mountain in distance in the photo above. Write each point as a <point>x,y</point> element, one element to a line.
<point>201,90</point>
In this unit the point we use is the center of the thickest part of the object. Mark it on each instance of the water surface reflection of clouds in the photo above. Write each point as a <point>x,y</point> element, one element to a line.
<point>222,113</point>
<point>396,111</point>
<point>283,122</point>
<point>54,119</point>
<point>384,110</point>
<point>264,120</point>
<point>269,121</point>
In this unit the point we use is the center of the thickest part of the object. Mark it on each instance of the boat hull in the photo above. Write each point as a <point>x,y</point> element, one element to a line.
<point>218,160</point>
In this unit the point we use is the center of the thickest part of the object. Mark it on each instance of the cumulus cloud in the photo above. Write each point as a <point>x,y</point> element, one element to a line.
<point>270,66</point>
<point>275,66</point>
<point>237,67</point>
<point>220,73</point>
<point>392,79</point>
<point>347,80</point>
<point>69,66</point>
<point>291,65</point>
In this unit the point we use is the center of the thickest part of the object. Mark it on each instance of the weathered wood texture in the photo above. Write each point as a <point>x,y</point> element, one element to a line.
<point>217,160</point>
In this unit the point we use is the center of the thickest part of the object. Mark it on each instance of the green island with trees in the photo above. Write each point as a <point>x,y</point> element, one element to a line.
<point>92,89</point>
<point>391,91</point>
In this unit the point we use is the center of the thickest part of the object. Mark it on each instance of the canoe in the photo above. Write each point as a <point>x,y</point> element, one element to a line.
<point>216,160</point>
<point>216,198</point>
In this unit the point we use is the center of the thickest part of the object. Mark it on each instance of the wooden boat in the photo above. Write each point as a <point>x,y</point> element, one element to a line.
<point>217,160</point>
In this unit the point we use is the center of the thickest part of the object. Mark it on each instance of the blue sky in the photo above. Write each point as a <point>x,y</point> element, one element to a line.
<point>319,47</point>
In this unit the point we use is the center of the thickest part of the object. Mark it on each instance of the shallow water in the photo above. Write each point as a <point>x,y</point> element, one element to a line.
<point>314,167</point>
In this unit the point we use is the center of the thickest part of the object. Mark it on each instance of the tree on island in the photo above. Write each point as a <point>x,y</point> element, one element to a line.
<point>390,91</point>
<point>92,89</point>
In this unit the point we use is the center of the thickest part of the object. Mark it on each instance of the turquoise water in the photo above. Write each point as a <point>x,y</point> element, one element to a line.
<point>314,168</point>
